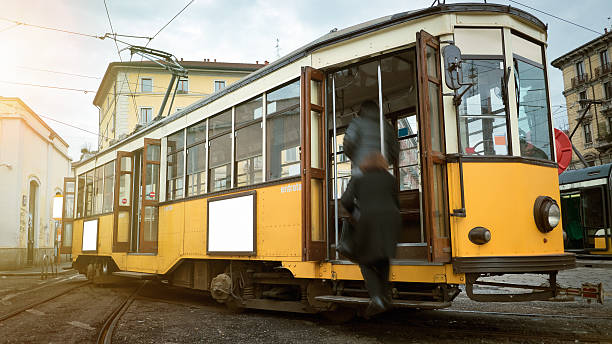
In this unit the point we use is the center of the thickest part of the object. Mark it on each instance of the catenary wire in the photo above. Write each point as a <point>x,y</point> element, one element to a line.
<point>554,16</point>
<point>73,126</point>
<point>57,72</point>
<point>47,86</point>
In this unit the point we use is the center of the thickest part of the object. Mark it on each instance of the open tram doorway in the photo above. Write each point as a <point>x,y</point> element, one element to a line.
<point>136,211</point>
<point>413,107</point>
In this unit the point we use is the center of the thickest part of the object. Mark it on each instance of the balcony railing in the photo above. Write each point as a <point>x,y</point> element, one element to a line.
<point>602,70</point>
<point>580,79</point>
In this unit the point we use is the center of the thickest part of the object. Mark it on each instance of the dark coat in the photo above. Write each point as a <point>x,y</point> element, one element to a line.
<point>362,137</point>
<point>379,223</point>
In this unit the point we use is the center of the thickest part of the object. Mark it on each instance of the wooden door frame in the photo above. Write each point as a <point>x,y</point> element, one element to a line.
<point>439,246</point>
<point>117,207</point>
<point>312,250</point>
<point>148,246</point>
<point>65,220</point>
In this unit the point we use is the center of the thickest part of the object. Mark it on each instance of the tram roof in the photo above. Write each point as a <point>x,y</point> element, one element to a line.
<point>584,174</point>
<point>335,36</point>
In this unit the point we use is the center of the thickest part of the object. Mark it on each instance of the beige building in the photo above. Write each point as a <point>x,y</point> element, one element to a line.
<point>131,93</point>
<point>33,163</point>
<point>587,75</point>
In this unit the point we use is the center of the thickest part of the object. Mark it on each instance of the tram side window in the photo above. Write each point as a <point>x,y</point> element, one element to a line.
<point>196,159</point>
<point>89,188</point>
<point>109,186</point>
<point>283,132</point>
<point>80,196</point>
<point>482,113</point>
<point>248,135</point>
<point>220,151</point>
<point>534,125</point>
<point>98,189</point>
<point>175,164</point>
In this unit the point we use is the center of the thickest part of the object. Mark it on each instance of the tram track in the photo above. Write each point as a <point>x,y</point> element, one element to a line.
<point>105,334</point>
<point>37,303</point>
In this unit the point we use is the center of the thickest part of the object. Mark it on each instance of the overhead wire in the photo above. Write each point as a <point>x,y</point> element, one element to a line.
<point>120,59</point>
<point>155,35</point>
<point>73,126</point>
<point>554,16</point>
<point>57,72</point>
<point>47,86</point>
<point>9,27</point>
<point>52,28</point>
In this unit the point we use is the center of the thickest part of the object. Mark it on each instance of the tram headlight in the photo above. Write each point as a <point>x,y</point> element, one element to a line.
<point>546,213</point>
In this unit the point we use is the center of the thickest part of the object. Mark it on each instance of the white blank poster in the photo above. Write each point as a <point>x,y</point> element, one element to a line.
<point>90,235</point>
<point>231,225</point>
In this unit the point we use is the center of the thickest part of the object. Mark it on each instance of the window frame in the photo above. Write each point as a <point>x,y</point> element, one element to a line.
<point>176,152</point>
<point>140,115</point>
<point>587,133</point>
<point>579,66</point>
<point>506,102</point>
<point>237,127</point>
<point>544,68</point>
<point>140,84</point>
<point>603,63</point>
<point>219,81</point>
<point>180,83</point>
<point>192,145</point>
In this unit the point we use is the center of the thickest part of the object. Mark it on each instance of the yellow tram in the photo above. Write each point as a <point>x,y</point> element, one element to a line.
<point>237,193</point>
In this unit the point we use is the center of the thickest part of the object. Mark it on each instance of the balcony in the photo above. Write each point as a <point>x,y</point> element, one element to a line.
<point>602,70</point>
<point>580,79</point>
<point>604,138</point>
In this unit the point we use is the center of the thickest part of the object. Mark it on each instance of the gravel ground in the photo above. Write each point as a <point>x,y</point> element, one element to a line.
<point>162,314</point>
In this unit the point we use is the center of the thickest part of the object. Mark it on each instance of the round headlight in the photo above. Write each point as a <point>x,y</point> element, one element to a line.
<point>546,213</point>
<point>554,215</point>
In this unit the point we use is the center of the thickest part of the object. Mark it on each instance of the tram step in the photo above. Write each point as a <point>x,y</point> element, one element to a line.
<point>396,303</point>
<point>136,275</point>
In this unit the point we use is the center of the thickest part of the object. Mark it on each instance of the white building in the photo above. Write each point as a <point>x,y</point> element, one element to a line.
<point>33,163</point>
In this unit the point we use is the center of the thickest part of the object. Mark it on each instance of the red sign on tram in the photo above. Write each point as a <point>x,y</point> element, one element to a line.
<point>123,200</point>
<point>152,194</point>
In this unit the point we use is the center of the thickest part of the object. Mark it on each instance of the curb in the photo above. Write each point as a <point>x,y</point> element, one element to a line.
<point>602,264</point>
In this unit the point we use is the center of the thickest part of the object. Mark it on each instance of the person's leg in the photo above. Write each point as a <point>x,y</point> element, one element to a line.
<point>375,277</point>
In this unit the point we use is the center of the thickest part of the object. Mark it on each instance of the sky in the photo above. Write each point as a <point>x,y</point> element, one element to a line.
<point>228,31</point>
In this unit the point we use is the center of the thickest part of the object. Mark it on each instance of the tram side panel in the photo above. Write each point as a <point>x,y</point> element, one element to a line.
<point>182,232</point>
<point>500,197</point>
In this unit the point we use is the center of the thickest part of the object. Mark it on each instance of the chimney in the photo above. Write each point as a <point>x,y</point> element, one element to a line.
<point>215,60</point>
<point>266,62</point>
<point>257,62</point>
<point>605,30</point>
<point>181,59</point>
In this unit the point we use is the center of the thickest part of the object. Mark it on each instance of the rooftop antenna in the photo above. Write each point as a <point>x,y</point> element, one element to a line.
<point>278,47</point>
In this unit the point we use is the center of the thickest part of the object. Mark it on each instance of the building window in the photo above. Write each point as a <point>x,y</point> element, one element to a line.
<point>609,118</point>
<point>219,85</point>
<point>588,138</point>
<point>607,91</point>
<point>183,86</point>
<point>283,132</point>
<point>89,193</point>
<point>482,113</point>
<point>533,115</point>
<point>580,69</point>
<point>146,85</point>
<point>604,59</point>
<point>196,159</point>
<point>175,166</point>
<point>583,96</point>
<point>146,115</point>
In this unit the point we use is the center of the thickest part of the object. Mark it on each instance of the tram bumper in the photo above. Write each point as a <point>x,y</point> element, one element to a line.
<point>514,264</point>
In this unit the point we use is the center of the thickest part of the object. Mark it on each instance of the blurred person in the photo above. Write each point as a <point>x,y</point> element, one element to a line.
<point>362,137</point>
<point>374,193</point>
<point>371,198</point>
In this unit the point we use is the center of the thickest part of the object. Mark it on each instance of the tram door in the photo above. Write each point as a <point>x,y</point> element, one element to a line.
<point>313,164</point>
<point>149,197</point>
<point>431,131</point>
<point>136,205</point>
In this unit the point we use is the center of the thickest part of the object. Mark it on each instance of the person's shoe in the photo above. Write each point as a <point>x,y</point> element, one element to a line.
<point>376,306</point>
